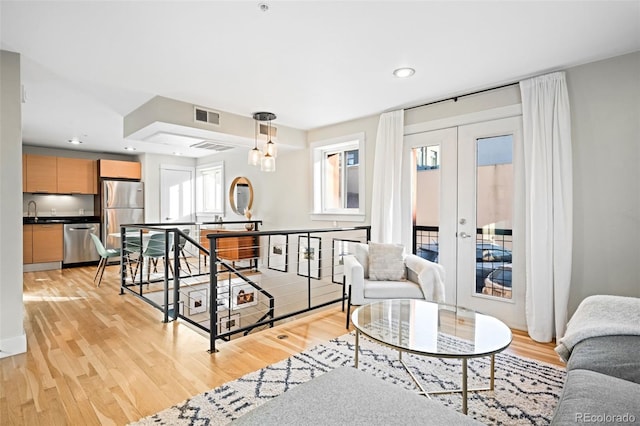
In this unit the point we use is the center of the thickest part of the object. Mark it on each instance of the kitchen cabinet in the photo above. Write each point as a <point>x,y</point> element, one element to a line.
<point>42,243</point>
<point>27,244</point>
<point>77,176</point>
<point>120,169</point>
<point>42,173</point>
<point>24,173</point>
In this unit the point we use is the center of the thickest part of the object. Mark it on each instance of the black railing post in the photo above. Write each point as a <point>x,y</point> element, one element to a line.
<point>307,255</point>
<point>166,277</point>
<point>414,239</point>
<point>176,273</point>
<point>123,269</point>
<point>142,259</point>
<point>213,293</point>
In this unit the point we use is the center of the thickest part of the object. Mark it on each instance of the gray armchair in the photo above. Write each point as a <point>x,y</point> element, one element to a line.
<point>422,279</point>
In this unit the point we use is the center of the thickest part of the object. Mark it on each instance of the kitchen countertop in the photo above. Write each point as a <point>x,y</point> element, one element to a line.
<point>60,219</point>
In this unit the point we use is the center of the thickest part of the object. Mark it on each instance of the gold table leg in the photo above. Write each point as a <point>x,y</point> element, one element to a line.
<point>357,347</point>
<point>464,388</point>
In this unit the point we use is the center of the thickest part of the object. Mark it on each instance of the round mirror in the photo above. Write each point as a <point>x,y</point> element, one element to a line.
<point>241,195</point>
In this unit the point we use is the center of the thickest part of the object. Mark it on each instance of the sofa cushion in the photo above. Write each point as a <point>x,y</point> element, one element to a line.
<point>386,262</point>
<point>347,396</point>
<point>399,290</point>
<point>361,252</point>
<point>615,356</point>
<point>590,397</point>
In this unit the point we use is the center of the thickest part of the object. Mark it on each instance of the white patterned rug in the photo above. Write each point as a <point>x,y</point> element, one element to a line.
<point>526,391</point>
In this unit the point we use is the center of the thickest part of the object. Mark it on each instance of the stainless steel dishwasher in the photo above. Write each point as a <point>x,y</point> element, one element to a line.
<point>78,245</point>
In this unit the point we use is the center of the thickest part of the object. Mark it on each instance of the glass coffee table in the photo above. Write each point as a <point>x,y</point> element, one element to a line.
<point>432,329</point>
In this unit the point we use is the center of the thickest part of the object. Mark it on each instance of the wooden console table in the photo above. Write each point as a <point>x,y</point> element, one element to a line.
<point>234,248</point>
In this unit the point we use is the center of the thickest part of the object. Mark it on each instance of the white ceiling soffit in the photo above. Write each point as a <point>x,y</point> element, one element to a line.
<point>189,129</point>
<point>185,137</point>
<point>196,131</point>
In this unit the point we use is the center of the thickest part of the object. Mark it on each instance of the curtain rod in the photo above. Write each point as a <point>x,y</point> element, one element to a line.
<point>455,98</point>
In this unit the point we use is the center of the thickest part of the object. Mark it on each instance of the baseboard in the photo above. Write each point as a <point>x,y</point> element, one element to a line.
<point>35,267</point>
<point>13,346</point>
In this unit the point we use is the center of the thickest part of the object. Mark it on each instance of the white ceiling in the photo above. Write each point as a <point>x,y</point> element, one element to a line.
<point>87,64</point>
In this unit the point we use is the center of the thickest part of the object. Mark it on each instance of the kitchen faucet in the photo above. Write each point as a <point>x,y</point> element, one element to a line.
<point>35,210</point>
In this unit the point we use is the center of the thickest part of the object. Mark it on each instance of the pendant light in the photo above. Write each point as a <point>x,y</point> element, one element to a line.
<point>255,154</point>
<point>268,163</point>
<point>270,148</point>
<point>268,160</point>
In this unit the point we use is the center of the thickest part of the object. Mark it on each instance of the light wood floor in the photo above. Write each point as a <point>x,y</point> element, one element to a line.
<point>96,357</point>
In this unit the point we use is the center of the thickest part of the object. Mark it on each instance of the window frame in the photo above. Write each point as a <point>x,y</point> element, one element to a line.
<point>201,170</point>
<point>318,152</point>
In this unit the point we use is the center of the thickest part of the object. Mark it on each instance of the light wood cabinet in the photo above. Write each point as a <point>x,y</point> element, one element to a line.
<point>77,176</point>
<point>42,243</point>
<point>42,173</point>
<point>233,248</point>
<point>47,243</point>
<point>120,169</point>
<point>24,173</point>
<point>27,244</point>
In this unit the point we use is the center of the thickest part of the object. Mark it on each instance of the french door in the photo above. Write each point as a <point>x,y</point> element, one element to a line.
<point>464,210</point>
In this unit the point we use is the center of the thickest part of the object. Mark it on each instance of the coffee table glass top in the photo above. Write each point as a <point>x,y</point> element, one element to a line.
<point>432,329</point>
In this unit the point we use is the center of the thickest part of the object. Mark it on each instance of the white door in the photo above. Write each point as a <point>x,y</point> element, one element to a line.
<point>464,189</point>
<point>176,194</point>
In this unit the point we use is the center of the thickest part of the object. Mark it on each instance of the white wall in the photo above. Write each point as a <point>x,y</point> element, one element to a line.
<point>280,197</point>
<point>12,337</point>
<point>605,115</point>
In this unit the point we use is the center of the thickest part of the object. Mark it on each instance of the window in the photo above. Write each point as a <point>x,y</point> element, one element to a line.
<point>428,157</point>
<point>338,179</point>
<point>210,189</point>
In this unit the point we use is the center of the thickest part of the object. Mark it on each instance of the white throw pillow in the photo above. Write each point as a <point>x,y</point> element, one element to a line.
<point>386,262</point>
<point>361,252</point>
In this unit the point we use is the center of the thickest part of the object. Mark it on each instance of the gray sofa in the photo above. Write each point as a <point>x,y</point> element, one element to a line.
<point>348,396</point>
<point>602,351</point>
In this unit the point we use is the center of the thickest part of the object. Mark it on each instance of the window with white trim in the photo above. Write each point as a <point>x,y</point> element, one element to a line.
<point>338,178</point>
<point>210,189</point>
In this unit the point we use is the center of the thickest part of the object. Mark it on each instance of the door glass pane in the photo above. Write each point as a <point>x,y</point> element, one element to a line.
<point>494,215</point>
<point>332,180</point>
<point>352,179</point>
<point>427,208</point>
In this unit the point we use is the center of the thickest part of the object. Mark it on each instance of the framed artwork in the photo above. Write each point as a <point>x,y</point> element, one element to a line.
<point>228,323</point>
<point>222,302</point>
<point>309,256</point>
<point>278,252</point>
<point>340,249</point>
<point>198,301</point>
<point>243,296</point>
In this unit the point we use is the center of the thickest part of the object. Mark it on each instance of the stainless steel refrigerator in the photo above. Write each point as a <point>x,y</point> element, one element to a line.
<point>122,204</point>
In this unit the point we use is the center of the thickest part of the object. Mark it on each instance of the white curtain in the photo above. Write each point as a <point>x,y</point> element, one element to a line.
<point>548,204</point>
<point>386,206</point>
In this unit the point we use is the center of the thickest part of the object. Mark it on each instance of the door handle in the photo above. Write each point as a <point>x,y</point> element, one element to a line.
<point>464,235</point>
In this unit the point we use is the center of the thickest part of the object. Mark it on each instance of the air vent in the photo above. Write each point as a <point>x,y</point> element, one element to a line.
<point>202,115</point>
<point>212,146</point>
<point>264,130</point>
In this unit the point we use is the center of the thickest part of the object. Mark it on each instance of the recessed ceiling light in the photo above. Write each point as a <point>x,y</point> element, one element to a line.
<point>404,72</point>
<point>129,148</point>
<point>75,141</point>
<point>177,153</point>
